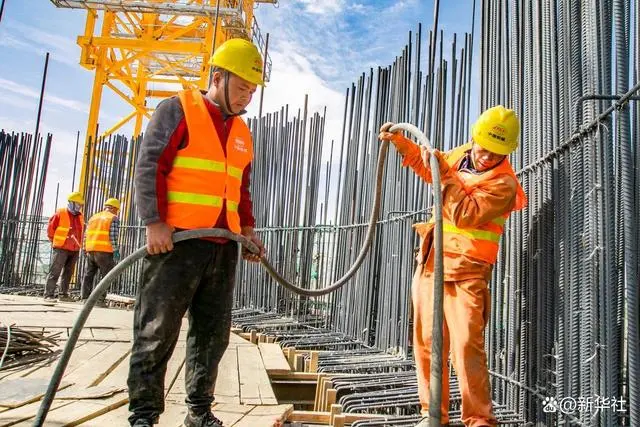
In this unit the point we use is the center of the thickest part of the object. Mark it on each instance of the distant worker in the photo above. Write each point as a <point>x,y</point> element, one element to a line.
<point>65,233</point>
<point>479,191</point>
<point>192,172</point>
<point>101,246</point>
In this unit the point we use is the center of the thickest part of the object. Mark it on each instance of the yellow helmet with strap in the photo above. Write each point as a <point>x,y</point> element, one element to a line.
<point>240,57</point>
<point>497,130</point>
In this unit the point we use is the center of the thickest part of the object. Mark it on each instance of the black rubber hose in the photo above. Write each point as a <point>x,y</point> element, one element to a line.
<point>435,379</point>
<point>436,371</point>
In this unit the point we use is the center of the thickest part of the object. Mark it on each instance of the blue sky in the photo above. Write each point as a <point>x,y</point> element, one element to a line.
<point>318,48</point>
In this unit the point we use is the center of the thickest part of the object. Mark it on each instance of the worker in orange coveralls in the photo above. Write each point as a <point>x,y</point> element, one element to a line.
<point>479,191</point>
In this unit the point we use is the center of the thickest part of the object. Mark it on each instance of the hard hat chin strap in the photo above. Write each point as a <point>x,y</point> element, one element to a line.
<point>227,76</point>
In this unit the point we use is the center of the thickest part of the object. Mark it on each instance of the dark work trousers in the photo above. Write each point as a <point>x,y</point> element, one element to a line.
<point>62,261</point>
<point>198,276</point>
<point>102,261</point>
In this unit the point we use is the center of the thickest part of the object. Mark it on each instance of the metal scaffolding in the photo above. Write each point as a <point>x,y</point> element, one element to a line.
<point>146,49</point>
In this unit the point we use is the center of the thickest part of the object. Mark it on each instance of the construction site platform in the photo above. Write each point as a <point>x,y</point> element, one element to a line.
<point>93,391</point>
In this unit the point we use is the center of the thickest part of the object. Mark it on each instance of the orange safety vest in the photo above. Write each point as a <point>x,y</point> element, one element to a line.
<point>202,177</point>
<point>98,233</point>
<point>64,227</point>
<point>481,242</point>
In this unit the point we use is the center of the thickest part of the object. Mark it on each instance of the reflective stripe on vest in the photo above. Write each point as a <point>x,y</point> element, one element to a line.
<point>98,239</point>
<point>472,234</point>
<point>480,242</point>
<point>194,199</point>
<point>203,178</point>
<point>200,164</point>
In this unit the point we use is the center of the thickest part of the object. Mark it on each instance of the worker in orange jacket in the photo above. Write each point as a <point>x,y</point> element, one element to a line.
<point>479,191</point>
<point>101,246</point>
<point>192,172</point>
<point>65,233</point>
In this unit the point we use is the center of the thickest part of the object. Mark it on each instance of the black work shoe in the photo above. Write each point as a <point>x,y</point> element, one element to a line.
<point>203,420</point>
<point>143,422</point>
<point>65,298</point>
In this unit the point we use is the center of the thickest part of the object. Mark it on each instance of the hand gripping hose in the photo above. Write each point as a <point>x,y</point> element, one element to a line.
<point>436,364</point>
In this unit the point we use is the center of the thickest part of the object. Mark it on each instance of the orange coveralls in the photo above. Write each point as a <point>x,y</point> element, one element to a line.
<point>466,293</point>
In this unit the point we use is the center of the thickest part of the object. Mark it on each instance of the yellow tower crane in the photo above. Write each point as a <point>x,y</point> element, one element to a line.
<point>154,48</point>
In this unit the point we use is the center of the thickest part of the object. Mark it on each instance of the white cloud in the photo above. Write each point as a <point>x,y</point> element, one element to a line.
<point>323,7</point>
<point>292,78</point>
<point>400,6</point>
<point>26,37</point>
<point>9,88</point>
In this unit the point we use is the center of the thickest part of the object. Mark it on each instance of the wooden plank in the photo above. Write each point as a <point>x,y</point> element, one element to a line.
<point>265,416</point>
<point>98,392</point>
<point>104,335</point>
<point>310,417</point>
<point>255,387</point>
<point>178,393</point>
<point>339,420</point>
<point>27,413</point>
<point>249,368</point>
<point>22,391</point>
<point>229,414</point>
<point>273,359</point>
<point>313,365</point>
<point>173,415</point>
<point>325,417</point>
<point>81,353</point>
<point>227,387</point>
<point>332,394</point>
<point>82,411</point>
<point>116,418</point>
<point>120,299</point>
<point>280,412</point>
<point>124,335</point>
<point>175,365</point>
<point>335,410</point>
<point>257,421</point>
<point>94,370</point>
<point>118,376</point>
<point>233,408</point>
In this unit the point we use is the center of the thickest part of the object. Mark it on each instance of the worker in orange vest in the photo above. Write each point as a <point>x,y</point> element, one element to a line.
<point>192,172</point>
<point>65,233</point>
<point>479,191</point>
<point>101,245</point>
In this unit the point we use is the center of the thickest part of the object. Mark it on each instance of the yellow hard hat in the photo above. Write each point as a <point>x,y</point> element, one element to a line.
<point>240,57</point>
<point>497,130</point>
<point>115,203</point>
<point>76,197</point>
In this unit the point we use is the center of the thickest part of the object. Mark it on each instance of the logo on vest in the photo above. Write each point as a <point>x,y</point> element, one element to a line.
<point>239,144</point>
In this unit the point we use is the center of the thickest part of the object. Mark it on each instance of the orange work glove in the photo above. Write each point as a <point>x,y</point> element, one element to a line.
<point>393,137</point>
<point>444,166</point>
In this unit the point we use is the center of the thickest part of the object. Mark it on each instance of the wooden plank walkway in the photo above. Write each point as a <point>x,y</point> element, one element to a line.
<point>95,379</point>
